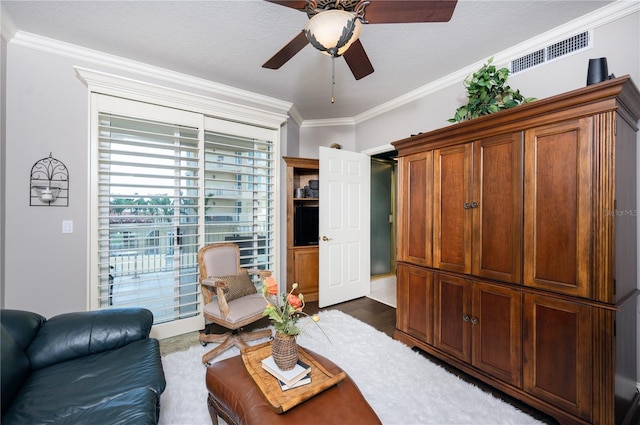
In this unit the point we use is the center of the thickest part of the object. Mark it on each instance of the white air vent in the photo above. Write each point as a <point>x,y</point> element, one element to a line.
<point>527,61</point>
<point>552,52</point>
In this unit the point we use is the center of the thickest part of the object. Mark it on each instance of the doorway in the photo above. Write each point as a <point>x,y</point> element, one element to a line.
<point>383,227</point>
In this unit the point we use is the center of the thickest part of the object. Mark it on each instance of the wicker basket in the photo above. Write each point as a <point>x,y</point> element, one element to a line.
<point>285,351</point>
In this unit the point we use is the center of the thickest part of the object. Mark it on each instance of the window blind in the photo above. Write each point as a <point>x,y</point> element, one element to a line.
<point>148,215</point>
<point>239,195</point>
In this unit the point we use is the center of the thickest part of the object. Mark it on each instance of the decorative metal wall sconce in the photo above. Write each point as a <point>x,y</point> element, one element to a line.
<point>49,183</point>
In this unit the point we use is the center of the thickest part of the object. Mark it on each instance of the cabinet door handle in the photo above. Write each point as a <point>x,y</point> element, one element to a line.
<point>467,205</point>
<point>474,321</point>
<point>465,318</point>
<point>474,205</point>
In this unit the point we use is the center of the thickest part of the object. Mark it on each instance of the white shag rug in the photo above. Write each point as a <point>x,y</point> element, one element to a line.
<point>402,386</point>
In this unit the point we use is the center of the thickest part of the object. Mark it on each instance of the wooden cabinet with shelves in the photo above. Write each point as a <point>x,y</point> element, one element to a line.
<point>532,284</point>
<point>302,227</point>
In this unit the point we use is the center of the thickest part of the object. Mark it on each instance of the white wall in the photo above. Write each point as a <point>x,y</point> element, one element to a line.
<point>3,104</point>
<point>314,137</point>
<point>290,147</point>
<point>48,112</point>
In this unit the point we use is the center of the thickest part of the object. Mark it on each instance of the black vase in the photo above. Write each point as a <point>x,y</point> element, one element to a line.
<point>597,71</point>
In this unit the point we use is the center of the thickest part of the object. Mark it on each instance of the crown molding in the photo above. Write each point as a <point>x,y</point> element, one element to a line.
<point>294,113</point>
<point>145,71</point>
<point>115,85</point>
<point>602,16</point>
<point>331,122</point>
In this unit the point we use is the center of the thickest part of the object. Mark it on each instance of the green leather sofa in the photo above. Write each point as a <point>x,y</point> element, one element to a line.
<point>94,367</point>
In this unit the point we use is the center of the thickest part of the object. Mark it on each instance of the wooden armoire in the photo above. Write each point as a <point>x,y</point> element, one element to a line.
<point>517,250</point>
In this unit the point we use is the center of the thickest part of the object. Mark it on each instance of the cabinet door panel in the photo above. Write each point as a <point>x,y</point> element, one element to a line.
<point>497,334</point>
<point>415,197</point>
<point>415,302</point>
<point>452,333</point>
<point>497,220</point>
<point>451,220</point>
<point>557,353</point>
<point>557,207</point>
<point>305,263</point>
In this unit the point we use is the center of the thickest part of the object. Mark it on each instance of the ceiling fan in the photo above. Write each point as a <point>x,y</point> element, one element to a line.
<point>363,11</point>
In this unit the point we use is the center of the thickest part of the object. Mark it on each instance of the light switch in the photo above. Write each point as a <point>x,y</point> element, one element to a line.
<point>67,226</point>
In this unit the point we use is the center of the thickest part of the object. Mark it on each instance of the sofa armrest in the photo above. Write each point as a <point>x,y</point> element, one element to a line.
<point>22,325</point>
<point>79,334</point>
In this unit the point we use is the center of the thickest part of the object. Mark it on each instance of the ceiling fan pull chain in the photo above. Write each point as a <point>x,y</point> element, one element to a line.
<point>333,76</point>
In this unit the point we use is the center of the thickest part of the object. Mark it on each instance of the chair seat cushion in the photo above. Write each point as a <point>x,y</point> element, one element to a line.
<point>238,285</point>
<point>240,309</point>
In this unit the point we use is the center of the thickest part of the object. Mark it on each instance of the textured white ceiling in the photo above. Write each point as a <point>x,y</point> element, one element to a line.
<point>227,41</point>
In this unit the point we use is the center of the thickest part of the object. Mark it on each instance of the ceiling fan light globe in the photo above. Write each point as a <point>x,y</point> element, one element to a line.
<point>327,28</point>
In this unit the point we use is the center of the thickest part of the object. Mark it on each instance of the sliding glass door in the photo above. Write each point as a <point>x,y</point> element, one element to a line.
<point>166,182</point>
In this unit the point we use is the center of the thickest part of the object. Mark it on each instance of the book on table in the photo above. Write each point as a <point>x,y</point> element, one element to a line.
<point>304,381</point>
<point>289,377</point>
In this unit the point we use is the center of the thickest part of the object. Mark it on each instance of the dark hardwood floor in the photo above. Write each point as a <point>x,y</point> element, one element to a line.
<point>379,315</point>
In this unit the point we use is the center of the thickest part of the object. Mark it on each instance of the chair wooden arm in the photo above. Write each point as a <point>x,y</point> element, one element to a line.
<point>208,286</point>
<point>262,273</point>
<point>214,282</point>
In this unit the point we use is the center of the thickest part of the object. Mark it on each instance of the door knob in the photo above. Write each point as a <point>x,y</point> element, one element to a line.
<point>324,238</point>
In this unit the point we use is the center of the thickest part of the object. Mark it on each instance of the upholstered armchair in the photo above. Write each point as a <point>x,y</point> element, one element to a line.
<point>230,298</point>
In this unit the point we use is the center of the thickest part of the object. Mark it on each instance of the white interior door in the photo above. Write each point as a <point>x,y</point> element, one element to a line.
<point>344,226</point>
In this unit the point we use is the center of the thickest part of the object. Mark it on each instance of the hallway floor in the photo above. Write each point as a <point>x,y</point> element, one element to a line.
<point>383,289</point>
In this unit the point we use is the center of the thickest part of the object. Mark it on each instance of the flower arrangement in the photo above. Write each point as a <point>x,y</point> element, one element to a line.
<point>284,310</point>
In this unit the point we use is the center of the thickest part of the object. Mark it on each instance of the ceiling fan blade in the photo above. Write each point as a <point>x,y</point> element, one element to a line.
<point>358,60</point>
<point>407,11</point>
<point>287,52</point>
<point>294,4</point>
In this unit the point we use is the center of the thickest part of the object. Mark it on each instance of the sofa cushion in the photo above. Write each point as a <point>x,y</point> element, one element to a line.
<point>60,392</point>
<point>15,368</point>
<point>71,335</point>
<point>139,407</point>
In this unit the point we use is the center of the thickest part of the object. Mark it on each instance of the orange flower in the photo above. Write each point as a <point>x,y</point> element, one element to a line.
<point>294,301</point>
<point>272,286</point>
